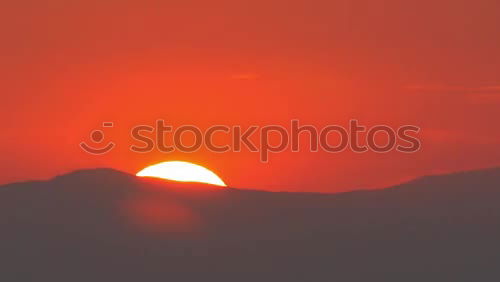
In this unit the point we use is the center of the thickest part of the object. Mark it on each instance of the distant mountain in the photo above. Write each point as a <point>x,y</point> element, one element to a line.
<point>106,225</point>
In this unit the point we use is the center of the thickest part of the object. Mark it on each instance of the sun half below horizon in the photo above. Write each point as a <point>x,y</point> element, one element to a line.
<point>183,172</point>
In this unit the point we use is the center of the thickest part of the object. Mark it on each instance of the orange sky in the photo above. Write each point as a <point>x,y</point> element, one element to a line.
<point>67,66</point>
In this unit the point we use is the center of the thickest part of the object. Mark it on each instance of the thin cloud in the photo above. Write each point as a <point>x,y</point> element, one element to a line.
<point>493,97</point>
<point>245,76</point>
<point>486,94</point>
<point>495,88</point>
<point>486,91</point>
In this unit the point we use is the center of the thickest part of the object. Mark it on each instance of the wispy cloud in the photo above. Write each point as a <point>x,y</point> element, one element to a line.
<point>486,94</point>
<point>495,88</point>
<point>245,76</point>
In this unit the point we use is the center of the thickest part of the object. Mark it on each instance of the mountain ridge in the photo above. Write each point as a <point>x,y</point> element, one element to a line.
<point>116,174</point>
<point>118,227</point>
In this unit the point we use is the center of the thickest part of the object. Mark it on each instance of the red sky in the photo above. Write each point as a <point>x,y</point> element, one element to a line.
<point>67,66</point>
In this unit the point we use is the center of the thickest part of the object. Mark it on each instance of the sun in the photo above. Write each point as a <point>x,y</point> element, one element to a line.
<point>182,171</point>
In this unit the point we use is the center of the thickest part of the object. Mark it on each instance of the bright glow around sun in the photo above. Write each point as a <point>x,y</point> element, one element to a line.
<point>182,171</point>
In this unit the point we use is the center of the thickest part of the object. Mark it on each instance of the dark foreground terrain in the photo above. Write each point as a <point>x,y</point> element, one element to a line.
<point>105,225</point>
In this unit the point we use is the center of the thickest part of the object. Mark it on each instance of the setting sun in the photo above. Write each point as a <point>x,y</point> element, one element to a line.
<point>182,171</point>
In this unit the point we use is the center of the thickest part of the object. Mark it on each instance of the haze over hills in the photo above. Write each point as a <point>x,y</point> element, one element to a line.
<point>106,225</point>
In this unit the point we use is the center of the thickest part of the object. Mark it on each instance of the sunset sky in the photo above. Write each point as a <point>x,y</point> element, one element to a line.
<point>68,66</point>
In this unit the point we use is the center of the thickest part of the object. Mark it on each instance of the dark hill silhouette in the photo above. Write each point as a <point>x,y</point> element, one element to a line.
<point>106,225</point>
